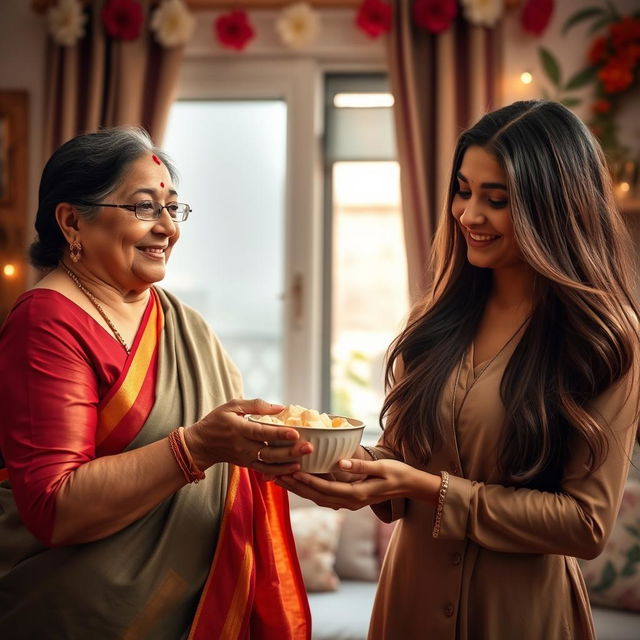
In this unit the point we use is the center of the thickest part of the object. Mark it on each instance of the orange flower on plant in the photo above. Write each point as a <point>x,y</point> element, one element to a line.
<point>601,106</point>
<point>616,75</point>
<point>598,50</point>
<point>624,31</point>
<point>630,52</point>
<point>596,130</point>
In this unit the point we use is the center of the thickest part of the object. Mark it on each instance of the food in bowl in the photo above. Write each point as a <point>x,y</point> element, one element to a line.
<point>296,416</point>
<point>333,437</point>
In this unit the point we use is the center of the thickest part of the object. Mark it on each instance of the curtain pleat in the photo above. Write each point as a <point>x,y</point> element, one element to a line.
<point>102,82</point>
<point>442,84</point>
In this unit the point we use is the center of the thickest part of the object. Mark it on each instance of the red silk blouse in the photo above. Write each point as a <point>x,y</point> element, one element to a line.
<point>56,363</point>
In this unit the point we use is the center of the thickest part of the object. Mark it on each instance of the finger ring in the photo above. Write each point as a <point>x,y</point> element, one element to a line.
<point>259,456</point>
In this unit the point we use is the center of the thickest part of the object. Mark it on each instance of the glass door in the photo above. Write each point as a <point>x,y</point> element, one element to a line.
<point>229,263</point>
<point>366,292</point>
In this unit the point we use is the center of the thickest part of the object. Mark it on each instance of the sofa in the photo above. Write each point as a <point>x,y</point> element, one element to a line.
<point>341,551</point>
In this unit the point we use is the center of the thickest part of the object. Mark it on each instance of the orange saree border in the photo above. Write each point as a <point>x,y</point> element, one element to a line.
<point>123,411</point>
<point>254,589</point>
<point>285,552</point>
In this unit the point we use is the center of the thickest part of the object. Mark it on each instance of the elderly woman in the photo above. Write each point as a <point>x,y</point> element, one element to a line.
<point>130,506</point>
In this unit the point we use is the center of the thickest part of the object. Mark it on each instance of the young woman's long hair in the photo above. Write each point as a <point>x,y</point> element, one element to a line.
<point>582,335</point>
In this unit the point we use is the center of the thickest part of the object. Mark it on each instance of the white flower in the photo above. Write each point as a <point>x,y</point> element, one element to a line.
<point>172,22</point>
<point>298,26</point>
<point>483,12</point>
<point>66,22</point>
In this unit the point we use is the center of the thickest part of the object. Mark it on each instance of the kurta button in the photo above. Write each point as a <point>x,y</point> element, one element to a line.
<point>448,610</point>
<point>456,558</point>
<point>455,469</point>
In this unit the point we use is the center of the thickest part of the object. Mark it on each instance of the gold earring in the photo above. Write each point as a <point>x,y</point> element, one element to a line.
<point>75,249</point>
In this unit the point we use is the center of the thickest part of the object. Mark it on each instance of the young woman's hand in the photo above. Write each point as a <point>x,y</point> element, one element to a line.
<point>384,480</point>
<point>225,435</point>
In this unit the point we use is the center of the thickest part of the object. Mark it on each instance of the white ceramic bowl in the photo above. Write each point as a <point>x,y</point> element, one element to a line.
<point>330,444</point>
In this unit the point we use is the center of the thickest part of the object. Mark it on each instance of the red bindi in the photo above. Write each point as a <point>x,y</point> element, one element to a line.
<point>155,158</point>
<point>162,184</point>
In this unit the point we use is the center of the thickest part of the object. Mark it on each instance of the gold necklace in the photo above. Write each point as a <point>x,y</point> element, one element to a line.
<point>455,385</point>
<point>96,304</point>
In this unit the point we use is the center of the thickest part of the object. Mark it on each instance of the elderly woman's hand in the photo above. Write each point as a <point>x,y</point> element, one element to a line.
<point>225,435</point>
<point>384,480</point>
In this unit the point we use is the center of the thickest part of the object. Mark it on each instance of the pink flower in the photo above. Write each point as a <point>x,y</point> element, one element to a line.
<point>234,29</point>
<point>434,16</point>
<point>122,19</point>
<point>536,15</point>
<point>374,17</point>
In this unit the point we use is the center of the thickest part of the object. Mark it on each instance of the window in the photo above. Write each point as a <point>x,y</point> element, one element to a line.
<point>243,138</point>
<point>366,292</point>
<point>231,155</point>
<point>282,192</point>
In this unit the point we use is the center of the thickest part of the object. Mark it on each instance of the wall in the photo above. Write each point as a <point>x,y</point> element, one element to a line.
<point>22,57</point>
<point>521,54</point>
<point>23,50</point>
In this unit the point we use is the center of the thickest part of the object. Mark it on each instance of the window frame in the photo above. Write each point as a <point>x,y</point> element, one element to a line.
<point>267,70</point>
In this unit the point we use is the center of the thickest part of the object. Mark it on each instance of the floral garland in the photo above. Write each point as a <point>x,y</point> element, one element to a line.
<point>297,26</point>
<point>613,67</point>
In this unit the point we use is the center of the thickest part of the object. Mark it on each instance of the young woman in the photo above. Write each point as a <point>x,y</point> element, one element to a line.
<point>513,401</point>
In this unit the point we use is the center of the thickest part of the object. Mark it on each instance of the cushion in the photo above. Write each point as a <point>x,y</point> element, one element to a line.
<point>316,532</point>
<point>615,624</point>
<point>613,578</point>
<point>634,467</point>
<point>357,558</point>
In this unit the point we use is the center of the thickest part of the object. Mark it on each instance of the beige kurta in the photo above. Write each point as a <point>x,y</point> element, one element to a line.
<point>503,566</point>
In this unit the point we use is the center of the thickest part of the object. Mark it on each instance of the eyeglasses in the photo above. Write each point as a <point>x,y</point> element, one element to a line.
<point>149,210</point>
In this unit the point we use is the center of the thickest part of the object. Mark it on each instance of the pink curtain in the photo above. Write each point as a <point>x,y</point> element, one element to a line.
<point>105,82</point>
<point>442,84</point>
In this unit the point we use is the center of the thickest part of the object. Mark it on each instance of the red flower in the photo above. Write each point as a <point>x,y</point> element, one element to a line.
<point>625,31</point>
<point>234,30</point>
<point>598,50</point>
<point>122,19</point>
<point>434,16</point>
<point>374,17</point>
<point>535,16</point>
<point>616,75</point>
<point>596,130</point>
<point>601,106</point>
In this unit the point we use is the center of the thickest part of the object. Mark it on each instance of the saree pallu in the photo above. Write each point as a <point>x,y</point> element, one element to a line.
<point>148,580</point>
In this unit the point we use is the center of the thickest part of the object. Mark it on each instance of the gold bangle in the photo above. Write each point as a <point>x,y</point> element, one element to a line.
<point>442,494</point>
<point>371,451</point>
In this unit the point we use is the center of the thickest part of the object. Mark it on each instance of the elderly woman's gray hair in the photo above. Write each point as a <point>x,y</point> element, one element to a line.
<point>85,169</point>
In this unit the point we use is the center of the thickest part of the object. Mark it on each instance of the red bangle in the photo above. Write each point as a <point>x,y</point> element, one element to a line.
<point>183,457</point>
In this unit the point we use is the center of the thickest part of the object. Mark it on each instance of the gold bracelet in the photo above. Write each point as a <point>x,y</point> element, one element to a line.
<point>442,494</point>
<point>371,451</point>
